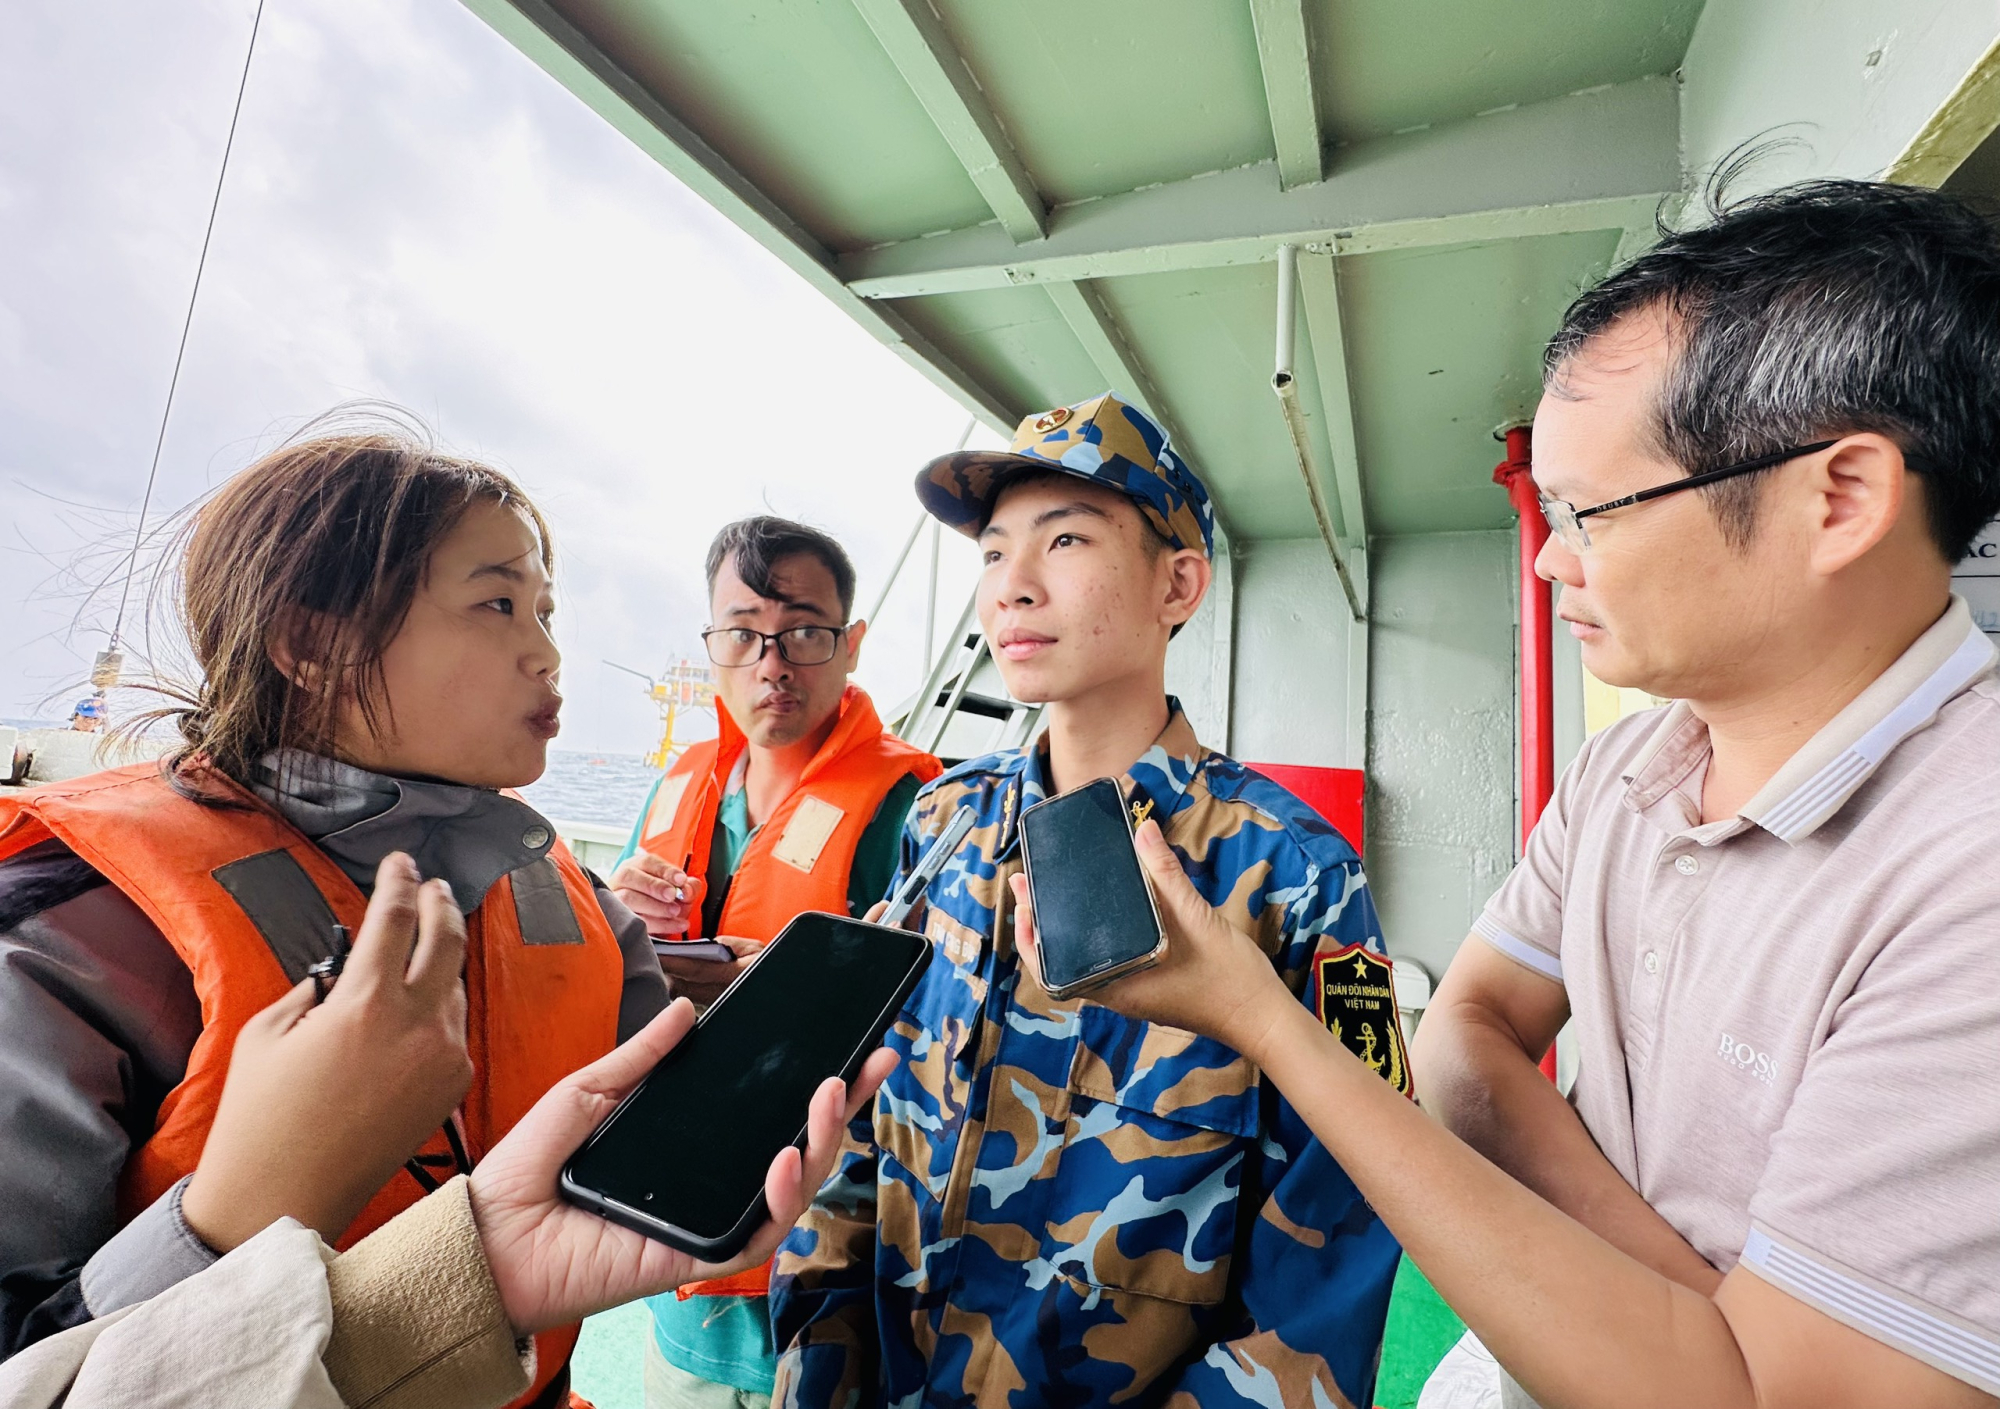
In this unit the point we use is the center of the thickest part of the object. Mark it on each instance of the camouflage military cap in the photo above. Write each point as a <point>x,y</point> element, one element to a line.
<point>1101,439</point>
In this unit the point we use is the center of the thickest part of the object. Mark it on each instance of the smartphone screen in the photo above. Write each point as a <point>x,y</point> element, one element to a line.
<point>1093,912</point>
<point>689,1149</point>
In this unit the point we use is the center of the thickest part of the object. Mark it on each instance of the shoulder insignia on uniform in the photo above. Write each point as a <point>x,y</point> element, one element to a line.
<point>1355,996</point>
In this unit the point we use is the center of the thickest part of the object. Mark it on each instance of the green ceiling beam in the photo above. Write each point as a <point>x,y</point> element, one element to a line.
<point>1084,310</point>
<point>1641,234</point>
<point>540,32</point>
<point>914,38</point>
<point>1591,161</point>
<point>1320,294</point>
<point>1285,52</point>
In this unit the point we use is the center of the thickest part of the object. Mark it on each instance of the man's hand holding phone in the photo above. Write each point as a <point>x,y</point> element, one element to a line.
<point>1212,979</point>
<point>553,1262</point>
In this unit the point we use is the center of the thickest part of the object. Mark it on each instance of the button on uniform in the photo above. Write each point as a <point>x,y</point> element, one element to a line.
<point>1653,956</point>
<point>1686,865</point>
<point>535,838</point>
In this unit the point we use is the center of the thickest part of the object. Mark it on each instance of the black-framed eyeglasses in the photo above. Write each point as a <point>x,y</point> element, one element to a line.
<point>1566,520</point>
<point>799,645</point>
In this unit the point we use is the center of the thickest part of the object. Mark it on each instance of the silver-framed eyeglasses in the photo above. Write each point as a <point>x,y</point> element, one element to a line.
<point>1566,520</point>
<point>799,645</point>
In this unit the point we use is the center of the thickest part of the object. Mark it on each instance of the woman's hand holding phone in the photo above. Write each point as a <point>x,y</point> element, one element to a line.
<point>324,1102</point>
<point>553,1262</point>
<point>1212,979</point>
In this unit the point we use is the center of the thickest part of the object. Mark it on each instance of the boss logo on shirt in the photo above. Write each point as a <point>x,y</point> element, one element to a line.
<point>1744,1057</point>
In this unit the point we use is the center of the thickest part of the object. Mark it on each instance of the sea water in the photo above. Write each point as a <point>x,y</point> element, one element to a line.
<point>606,788</point>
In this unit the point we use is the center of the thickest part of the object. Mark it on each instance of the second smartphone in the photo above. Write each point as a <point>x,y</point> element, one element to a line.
<point>1094,914</point>
<point>683,1158</point>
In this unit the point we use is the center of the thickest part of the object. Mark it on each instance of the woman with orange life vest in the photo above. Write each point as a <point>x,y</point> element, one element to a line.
<point>429,1310</point>
<point>797,805</point>
<point>371,622</point>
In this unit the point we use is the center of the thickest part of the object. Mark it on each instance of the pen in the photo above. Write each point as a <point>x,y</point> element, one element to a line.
<point>328,969</point>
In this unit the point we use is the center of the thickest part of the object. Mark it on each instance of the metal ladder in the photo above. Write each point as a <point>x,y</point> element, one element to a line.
<point>962,709</point>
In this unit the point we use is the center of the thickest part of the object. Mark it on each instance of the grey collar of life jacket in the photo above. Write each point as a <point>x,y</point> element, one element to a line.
<point>469,836</point>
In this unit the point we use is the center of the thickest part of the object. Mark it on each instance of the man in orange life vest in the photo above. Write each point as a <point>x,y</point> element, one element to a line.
<point>797,805</point>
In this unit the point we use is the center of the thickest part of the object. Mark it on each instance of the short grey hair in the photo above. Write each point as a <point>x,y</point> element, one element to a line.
<point>1818,310</point>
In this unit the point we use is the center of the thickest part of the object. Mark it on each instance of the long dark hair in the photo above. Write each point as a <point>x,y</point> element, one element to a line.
<point>319,547</point>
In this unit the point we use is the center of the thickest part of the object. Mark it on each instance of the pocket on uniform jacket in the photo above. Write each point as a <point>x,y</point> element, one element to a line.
<point>1160,1125</point>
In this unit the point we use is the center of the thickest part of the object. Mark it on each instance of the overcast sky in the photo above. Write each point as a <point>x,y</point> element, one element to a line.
<point>414,212</point>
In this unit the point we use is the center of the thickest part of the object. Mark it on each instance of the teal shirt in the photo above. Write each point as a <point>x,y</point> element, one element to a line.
<point>727,1339</point>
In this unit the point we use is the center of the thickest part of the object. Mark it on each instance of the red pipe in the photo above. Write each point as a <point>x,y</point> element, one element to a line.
<point>1538,698</point>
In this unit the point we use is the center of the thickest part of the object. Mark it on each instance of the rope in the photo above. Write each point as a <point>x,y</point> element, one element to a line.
<point>173,385</point>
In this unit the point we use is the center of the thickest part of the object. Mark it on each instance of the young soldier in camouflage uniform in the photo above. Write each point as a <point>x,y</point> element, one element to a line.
<point>1053,1204</point>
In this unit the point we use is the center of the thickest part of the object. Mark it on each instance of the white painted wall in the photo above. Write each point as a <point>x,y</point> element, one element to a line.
<point>1568,669</point>
<point>1293,638</point>
<point>1436,671</point>
<point>1441,784</point>
<point>1853,80</point>
<point>1199,660</point>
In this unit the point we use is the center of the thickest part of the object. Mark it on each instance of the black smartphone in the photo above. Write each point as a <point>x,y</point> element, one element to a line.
<point>1095,919</point>
<point>683,1158</point>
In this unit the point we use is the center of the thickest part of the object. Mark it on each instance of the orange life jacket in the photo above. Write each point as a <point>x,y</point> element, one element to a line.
<point>247,901</point>
<point>802,856</point>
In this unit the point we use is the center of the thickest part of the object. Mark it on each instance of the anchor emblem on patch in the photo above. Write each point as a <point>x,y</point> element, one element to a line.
<point>1354,994</point>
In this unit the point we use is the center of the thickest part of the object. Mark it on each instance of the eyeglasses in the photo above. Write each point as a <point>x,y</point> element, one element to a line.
<point>799,645</point>
<point>1566,520</point>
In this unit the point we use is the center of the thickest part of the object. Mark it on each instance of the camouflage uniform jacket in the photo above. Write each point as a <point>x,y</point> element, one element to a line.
<point>1054,1204</point>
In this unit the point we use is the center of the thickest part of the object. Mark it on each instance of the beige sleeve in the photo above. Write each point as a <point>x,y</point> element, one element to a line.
<point>417,1320</point>
<point>42,1375</point>
<point>246,1333</point>
<point>1880,1204</point>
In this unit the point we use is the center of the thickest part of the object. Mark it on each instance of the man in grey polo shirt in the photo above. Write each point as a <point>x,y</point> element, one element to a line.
<point>1772,910</point>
